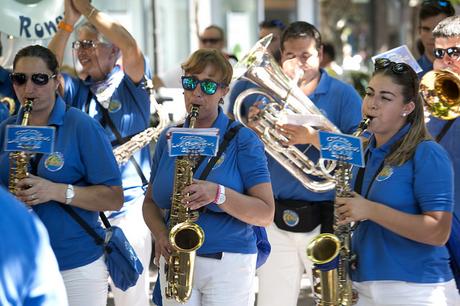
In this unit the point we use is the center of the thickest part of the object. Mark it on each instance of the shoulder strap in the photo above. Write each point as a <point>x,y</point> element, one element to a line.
<point>106,120</point>
<point>444,130</point>
<point>229,135</point>
<point>98,239</point>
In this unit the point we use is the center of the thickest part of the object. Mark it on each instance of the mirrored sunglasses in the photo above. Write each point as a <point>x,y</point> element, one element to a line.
<point>384,63</point>
<point>209,87</point>
<point>83,44</point>
<point>452,52</point>
<point>40,79</point>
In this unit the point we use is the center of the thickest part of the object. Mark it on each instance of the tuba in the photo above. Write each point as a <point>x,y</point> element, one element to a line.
<point>19,161</point>
<point>331,253</point>
<point>284,98</point>
<point>185,236</point>
<point>441,91</point>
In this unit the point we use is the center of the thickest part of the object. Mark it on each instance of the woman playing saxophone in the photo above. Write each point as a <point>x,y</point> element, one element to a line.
<point>404,200</point>
<point>237,194</point>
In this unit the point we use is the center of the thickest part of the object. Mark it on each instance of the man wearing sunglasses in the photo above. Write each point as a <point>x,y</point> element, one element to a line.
<point>279,278</point>
<point>431,13</point>
<point>113,93</point>
<point>447,132</point>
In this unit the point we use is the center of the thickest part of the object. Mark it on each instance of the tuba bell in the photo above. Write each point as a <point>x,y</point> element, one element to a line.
<point>259,67</point>
<point>441,91</point>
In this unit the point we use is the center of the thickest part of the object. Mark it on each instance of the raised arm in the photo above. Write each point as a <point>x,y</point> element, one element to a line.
<point>59,40</point>
<point>133,60</point>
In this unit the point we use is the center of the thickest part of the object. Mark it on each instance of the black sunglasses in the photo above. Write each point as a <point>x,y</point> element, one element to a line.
<point>210,40</point>
<point>452,52</point>
<point>442,4</point>
<point>384,63</point>
<point>37,78</point>
<point>209,87</point>
<point>83,44</point>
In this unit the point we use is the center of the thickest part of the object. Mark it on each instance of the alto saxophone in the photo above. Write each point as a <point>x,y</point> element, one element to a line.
<point>331,253</point>
<point>185,236</point>
<point>19,161</point>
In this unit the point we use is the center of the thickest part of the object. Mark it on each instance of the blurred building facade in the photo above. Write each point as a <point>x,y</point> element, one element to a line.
<point>168,30</point>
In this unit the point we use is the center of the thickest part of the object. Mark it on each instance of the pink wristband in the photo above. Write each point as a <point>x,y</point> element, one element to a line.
<point>217,194</point>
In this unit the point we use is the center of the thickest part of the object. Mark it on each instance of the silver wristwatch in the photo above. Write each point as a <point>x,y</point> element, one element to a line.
<point>69,194</point>
<point>221,197</point>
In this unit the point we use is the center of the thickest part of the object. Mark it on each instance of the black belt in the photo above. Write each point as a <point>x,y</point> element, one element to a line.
<point>217,255</point>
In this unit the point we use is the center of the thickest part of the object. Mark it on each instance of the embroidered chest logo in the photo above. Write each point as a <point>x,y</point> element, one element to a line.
<point>219,161</point>
<point>54,162</point>
<point>384,174</point>
<point>114,106</point>
<point>290,217</point>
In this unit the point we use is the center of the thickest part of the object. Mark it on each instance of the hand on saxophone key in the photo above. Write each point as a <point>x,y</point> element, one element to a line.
<point>35,190</point>
<point>352,209</point>
<point>199,194</point>
<point>162,248</point>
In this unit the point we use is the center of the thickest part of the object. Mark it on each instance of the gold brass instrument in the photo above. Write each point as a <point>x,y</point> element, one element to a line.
<point>441,91</point>
<point>10,104</point>
<point>19,161</point>
<point>185,236</point>
<point>285,97</point>
<point>331,253</point>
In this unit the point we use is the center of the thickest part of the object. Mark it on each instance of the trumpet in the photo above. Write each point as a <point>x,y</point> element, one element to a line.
<point>441,91</point>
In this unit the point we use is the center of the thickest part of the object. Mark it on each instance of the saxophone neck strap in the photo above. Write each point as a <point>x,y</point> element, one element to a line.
<point>444,130</point>
<point>360,177</point>
<point>229,135</point>
<point>107,121</point>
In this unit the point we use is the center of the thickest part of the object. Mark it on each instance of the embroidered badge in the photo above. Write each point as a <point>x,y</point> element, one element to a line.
<point>114,106</point>
<point>54,162</point>
<point>290,217</point>
<point>386,173</point>
<point>219,161</point>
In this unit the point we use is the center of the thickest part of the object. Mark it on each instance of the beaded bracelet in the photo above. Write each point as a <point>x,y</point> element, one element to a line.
<point>65,26</point>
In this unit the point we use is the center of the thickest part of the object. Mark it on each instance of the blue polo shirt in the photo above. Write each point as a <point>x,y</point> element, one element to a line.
<point>240,86</point>
<point>341,104</point>
<point>450,142</point>
<point>29,272</point>
<point>83,157</point>
<point>425,64</point>
<point>422,184</point>
<point>6,90</point>
<point>242,166</point>
<point>129,110</point>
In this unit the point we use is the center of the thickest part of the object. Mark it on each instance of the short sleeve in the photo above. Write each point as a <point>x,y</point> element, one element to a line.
<point>433,178</point>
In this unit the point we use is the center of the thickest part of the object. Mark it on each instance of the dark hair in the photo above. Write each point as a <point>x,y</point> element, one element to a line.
<point>405,148</point>
<point>448,27</point>
<point>301,29</point>
<point>273,23</point>
<point>219,29</point>
<point>41,52</point>
<point>201,58</point>
<point>430,8</point>
<point>329,49</point>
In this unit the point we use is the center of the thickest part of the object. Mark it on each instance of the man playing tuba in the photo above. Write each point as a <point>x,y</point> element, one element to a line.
<point>301,213</point>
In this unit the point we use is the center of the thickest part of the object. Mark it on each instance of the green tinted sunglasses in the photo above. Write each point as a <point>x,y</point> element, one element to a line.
<point>209,87</point>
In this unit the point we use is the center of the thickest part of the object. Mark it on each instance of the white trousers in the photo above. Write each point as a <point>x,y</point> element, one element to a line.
<point>385,293</point>
<point>87,285</point>
<point>280,276</point>
<point>138,234</point>
<point>225,282</point>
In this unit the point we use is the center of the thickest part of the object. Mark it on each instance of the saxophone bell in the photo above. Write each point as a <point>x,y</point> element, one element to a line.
<point>331,253</point>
